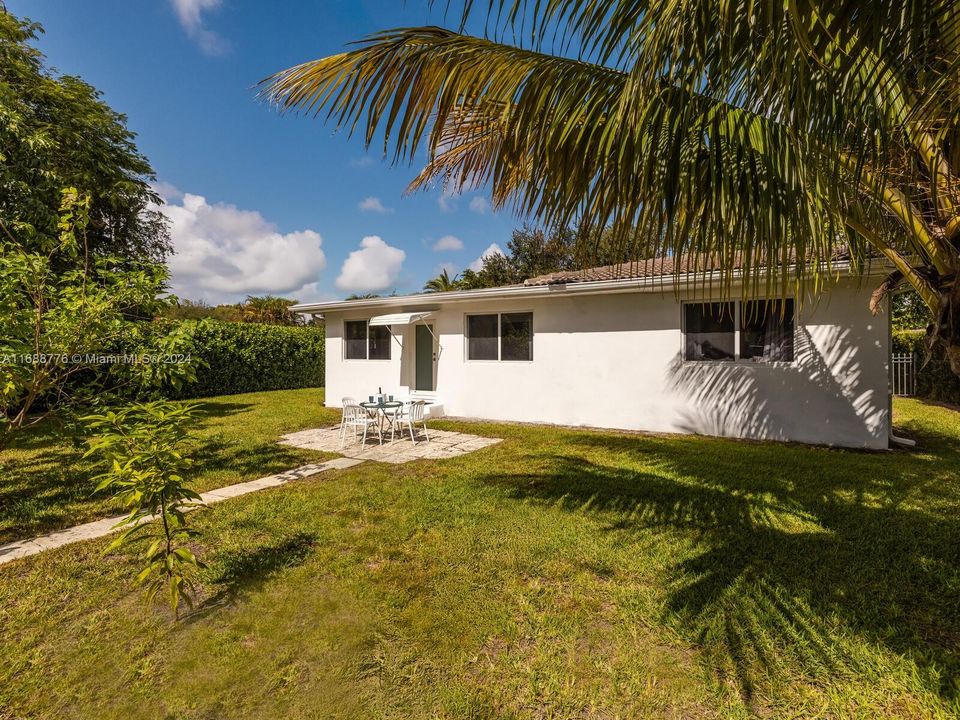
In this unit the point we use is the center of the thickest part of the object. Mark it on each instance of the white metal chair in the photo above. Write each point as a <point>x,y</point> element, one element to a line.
<point>411,415</point>
<point>357,417</point>
<point>343,403</point>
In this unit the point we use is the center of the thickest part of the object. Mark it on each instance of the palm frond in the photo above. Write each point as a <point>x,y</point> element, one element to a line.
<point>723,129</point>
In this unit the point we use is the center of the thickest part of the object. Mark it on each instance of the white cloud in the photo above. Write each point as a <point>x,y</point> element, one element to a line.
<point>479,205</point>
<point>222,253</point>
<point>448,242</point>
<point>372,204</point>
<point>311,293</point>
<point>361,162</point>
<point>375,266</point>
<point>167,191</point>
<point>493,249</point>
<point>190,15</point>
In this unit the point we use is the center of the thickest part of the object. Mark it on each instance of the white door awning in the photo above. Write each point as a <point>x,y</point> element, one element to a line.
<point>404,319</point>
<point>399,319</point>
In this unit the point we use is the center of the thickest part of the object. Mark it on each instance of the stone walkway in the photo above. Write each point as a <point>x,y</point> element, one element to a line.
<point>442,444</point>
<point>99,528</point>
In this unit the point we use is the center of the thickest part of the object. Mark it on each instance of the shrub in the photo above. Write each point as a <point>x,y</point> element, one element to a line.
<point>248,357</point>
<point>934,380</point>
<point>140,447</point>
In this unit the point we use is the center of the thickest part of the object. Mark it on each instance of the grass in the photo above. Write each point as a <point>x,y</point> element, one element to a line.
<point>559,574</point>
<point>45,482</point>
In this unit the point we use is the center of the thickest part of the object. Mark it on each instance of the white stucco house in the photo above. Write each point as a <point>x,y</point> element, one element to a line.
<point>620,347</point>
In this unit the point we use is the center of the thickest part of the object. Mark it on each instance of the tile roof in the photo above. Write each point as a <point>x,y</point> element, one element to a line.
<point>650,268</point>
<point>653,267</point>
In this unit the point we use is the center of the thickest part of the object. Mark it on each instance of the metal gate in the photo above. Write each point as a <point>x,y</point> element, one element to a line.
<point>902,371</point>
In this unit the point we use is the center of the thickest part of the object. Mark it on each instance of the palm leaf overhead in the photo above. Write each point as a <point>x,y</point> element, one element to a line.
<point>722,128</point>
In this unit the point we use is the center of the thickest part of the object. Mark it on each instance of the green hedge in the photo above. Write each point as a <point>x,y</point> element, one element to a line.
<point>248,357</point>
<point>934,379</point>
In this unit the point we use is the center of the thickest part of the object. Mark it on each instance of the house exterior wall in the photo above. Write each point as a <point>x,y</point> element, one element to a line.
<point>615,361</point>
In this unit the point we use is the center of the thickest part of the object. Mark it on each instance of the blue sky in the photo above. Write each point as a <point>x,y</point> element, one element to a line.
<point>261,202</point>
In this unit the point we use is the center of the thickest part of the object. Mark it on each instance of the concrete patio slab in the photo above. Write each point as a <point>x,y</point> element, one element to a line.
<point>442,444</point>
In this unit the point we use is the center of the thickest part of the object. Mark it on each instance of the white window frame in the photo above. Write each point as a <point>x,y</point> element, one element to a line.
<point>499,358</point>
<point>737,360</point>
<point>366,335</point>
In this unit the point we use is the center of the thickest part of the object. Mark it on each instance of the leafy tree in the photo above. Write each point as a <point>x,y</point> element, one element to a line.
<point>58,326</point>
<point>909,312</point>
<point>442,283</point>
<point>471,280</point>
<point>362,296</point>
<point>56,132</point>
<point>140,446</point>
<point>767,131</point>
<point>496,271</point>
<point>533,251</point>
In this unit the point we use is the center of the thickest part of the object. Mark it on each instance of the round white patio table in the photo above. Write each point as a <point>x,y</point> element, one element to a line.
<point>386,411</point>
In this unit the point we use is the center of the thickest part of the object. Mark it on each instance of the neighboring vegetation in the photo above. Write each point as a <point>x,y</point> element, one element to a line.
<point>560,574</point>
<point>81,248</point>
<point>62,310</point>
<point>442,283</point>
<point>933,377</point>
<point>268,310</point>
<point>909,312</point>
<point>934,380</point>
<point>82,276</point>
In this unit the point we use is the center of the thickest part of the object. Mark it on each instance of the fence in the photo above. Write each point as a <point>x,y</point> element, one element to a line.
<point>903,374</point>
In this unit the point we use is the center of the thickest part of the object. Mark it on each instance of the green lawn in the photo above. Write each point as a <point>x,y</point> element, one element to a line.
<point>559,574</point>
<point>45,483</point>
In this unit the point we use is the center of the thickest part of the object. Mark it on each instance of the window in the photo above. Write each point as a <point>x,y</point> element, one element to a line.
<point>506,336</point>
<point>755,331</point>
<point>766,331</point>
<point>355,339</point>
<point>362,342</point>
<point>482,337</point>
<point>709,331</point>
<point>516,336</point>
<point>379,339</point>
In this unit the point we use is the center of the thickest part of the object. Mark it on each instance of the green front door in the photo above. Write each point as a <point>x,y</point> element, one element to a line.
<point>424,367</point>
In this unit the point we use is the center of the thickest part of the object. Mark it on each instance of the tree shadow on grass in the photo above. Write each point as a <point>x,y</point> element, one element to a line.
<point>239,573</point>
<point>53,489</point>
<point>42,491</point>
<point>791,552</point>
<point>243,461</point>
<point>207,412</point>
